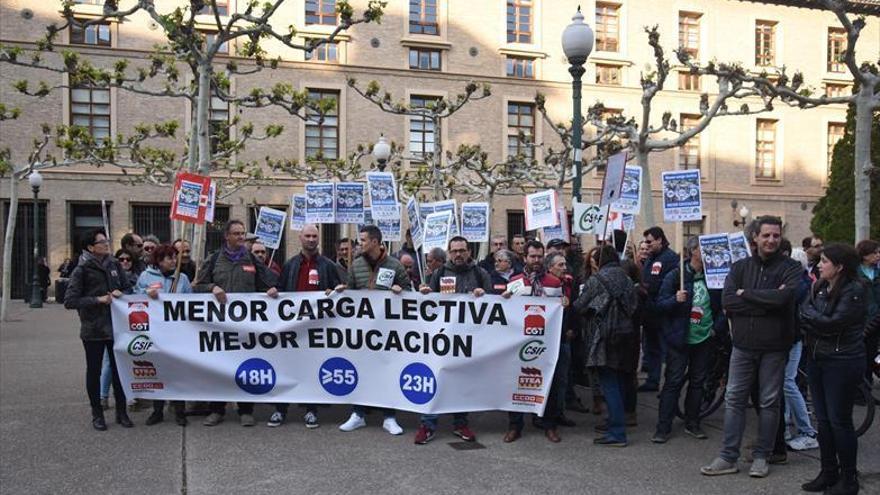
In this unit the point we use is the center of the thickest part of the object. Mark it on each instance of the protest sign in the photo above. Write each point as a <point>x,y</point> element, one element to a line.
<point>349,202</point>
<point>270,226</point>
<point>190,200</point>
<point>613,180</point>
<point>475,222</point>
<point>588,218</point>
<point>297,211</point>
<point>212,196</point>
<point>450,206</point>
<point>715,251</point>
<point>435,353</point>
<point>739,246</point>
<point>682,201</point>
<point>437,230</point>
<point>559,231</point>
<point>606,227</point>
<point>629,222</point>
<point>540,210</point>
<point>425,209</point>
<point>390,228</point>
<point>383,195</point>
<point>630,200</point>
<point>320,207</point>
<point>415,222</point>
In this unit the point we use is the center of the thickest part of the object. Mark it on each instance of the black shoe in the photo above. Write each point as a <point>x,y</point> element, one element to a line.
<point>180,419</point>
<point>601,427</point>
<point>660,437</point>
<point>123,420</point>
<point>848,484</point>
<point>825,480</point>
<point>778,459</point>
<point>696,432</point>
<point>563,421</point>
<point>98,423</point>
<point>155,418</point>
<point>648,387</point>
<point>576,406</point>
<point>608,442</point>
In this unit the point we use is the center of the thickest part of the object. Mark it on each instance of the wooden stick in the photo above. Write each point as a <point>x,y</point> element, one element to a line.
<point>177,272</point>
<point>681,271</point>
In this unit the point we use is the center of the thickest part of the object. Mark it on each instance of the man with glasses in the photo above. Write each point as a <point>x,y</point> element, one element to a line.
<point>234,269</point>
<point>134,245</point>
<point>151,242</point>
<point>661,260</point>
<point>460,275</point>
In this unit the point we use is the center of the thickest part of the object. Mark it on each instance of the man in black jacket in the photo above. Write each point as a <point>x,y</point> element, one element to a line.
<point>660,262</point>
<point>307,271</point>
<point>760,300</point>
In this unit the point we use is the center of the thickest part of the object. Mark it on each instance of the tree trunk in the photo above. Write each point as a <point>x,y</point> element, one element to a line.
<point>203,139</point>
<point>7,246</point>
<point>647,193</point>
<point>862,164</point>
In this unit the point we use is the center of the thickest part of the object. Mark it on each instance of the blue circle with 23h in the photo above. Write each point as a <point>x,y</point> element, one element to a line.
<point>255,376</point>
<point>418,383</point>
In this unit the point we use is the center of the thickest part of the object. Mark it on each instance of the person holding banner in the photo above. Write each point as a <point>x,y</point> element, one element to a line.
<point>307,271</point>
<point>691,316</point>
<point>374,270</point>
<point>460,275</point>
<point>234,269</point>
<point>95,281</point>
<point>159,278</point>
<point>660,262</point>
<point>504,270</point>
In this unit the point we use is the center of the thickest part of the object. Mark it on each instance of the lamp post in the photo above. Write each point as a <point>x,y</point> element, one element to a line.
<point>36,180</point>
<point>577,43</point>
<point>381,152</point>
<point>743,214</point>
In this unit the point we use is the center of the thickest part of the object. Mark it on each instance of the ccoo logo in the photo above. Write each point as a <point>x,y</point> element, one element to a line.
<point>139,345</point>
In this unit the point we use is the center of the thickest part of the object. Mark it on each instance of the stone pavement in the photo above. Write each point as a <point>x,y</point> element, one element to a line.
<point>47,445</point>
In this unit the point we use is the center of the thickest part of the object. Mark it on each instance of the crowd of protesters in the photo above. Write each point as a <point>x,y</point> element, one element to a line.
<point>643,307</point>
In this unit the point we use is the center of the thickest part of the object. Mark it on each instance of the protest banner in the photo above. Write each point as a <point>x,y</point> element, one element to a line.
<point>190,197</point>
<point>270,226</point>
<point>383,195</point>
<point>297,211</point>
<point>349,202</point>
<point>450,206</point>
<point>715,251</point>
<point>739,246</point>
<point>437,230</point>
<point>587,219</point>
<point>682,200</point>
<point>212,198</point>
<point>435,353</point>
<point>415,221</point>
<point>540,210</point>
<point>475,222</point>
<point>390,228</point>
<point>630,200</point>
<point>559,231</point>
<point>612,183</point>
<point>320,207</point>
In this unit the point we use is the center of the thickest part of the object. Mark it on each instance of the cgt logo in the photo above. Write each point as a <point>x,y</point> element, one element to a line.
<point>143,370</point>
<point>138,318</point>
<point>528,399</point>
<point>139,345</point>
<point>532,350</point>
<point>533,326</point>
<point>530,378</point>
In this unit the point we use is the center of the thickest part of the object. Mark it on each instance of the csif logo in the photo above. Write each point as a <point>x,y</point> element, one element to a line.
<point>532,350</point>
<point>139,345</point>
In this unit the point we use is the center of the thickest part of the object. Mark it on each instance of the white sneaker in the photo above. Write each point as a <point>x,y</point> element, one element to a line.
<point>803,442</point>
<point>390,425</point>
<point>354,422</point>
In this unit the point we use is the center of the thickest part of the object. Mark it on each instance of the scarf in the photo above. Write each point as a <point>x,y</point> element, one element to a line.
<point>235,255</point>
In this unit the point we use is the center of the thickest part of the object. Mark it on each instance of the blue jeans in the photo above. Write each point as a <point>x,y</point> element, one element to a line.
<point>612,382</point>
<point>833,384</point>
<point>458,419</point>
<point>362,411</point>
<point>692,363</point>
<point>654,350</point>
<point>795,406</point>
<point>106,376</point>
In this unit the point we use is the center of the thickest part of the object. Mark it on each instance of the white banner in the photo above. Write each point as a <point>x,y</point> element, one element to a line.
<point>423,353</point>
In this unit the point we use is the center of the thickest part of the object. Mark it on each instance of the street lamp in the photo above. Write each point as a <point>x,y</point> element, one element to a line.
<point>381,152</point>
<point>743,214</point>
<point>577,43</point>
<point>36,180</point>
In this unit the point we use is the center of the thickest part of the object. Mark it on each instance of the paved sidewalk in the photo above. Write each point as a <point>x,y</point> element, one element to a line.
<point>47,445</point>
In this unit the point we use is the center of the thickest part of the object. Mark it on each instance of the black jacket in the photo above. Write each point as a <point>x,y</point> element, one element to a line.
<point>499,283</point>
<point>834,329</point>
<point>91,279</point>
<point>654,271</point>
<point>763,318</point>
<point>467,278</point>
<point>328,275</point>
<point>676,315</point>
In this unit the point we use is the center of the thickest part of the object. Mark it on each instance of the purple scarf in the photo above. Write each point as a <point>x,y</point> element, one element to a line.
<point>235,255</point>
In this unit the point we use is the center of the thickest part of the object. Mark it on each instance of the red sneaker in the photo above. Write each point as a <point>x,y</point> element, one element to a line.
<point>424,435</point>
<point>464,433</point>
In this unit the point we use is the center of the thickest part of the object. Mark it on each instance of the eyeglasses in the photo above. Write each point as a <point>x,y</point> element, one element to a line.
<point>125,260</point>
<point>149,248</point>
<point>453,251</point>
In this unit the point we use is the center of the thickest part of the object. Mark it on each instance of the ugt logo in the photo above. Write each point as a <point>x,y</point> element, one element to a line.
<point>138,318</point>
<point>533,325</point>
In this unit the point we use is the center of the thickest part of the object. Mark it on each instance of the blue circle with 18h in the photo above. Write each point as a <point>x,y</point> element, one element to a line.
<point>255,376</point>
<point>338,376</point>
<point>418,384</point>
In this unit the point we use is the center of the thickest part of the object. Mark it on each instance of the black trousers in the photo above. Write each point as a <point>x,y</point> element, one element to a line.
<point>94,359</point>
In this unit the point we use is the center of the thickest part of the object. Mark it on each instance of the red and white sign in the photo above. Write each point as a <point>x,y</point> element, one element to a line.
<point>190,200</point>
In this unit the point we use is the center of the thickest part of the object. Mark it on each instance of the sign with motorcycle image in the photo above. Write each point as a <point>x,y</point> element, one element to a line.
<point>682,199</point>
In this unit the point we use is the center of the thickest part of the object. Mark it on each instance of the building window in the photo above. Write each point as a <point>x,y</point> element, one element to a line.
<point>322,137</point>
<point>521,120</point>
<point>222,8</point>
<point>422,132</point>
<point>835,133</point>
<point>214,235</point>
<point>689,153</point>
<point>152,219</point>
<point>218,121</point>
<point>90,108</point>
<point>423,17</point>
<point>694,228</point>
<point>765,43</point>
<point>516,225</point>
<point>689,33</point>
<point>836,49</point>
<point>519,21</point>
<point>688,81</point>
<point>608,74</point>
<point>94,34</point>
<point>329,237</point>
<point>424,59</point>
<point>210,37</point>
<point>765,149</point>
<point>833,90</point>
<point>607,27</point>
<point>84,217</point>
<point>321,12</point>
<point>521,67</point>
<point>325,52</point>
